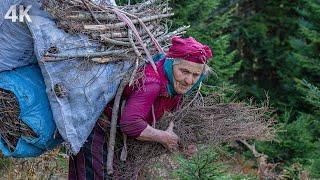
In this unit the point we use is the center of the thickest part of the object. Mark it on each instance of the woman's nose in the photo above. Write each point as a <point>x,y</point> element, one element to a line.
<point>189,79</point>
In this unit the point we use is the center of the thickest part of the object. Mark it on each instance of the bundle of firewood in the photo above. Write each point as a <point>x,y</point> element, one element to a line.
<point>133,32</point>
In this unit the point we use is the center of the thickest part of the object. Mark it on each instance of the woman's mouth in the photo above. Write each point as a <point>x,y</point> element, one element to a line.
<point>183,86</point>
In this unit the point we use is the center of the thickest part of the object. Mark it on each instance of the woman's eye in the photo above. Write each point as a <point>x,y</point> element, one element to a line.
<point>185,72</point>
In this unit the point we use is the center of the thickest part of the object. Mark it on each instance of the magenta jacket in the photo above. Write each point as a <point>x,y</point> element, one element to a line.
<point>137,113</point>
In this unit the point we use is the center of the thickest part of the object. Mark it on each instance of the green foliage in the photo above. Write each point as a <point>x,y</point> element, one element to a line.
<point>292,172</point>
<point>281,54</point>
<point>263,38</point>
<point>314,168</point>
<point>300,142</point>
<point>204,165</point>
<point>296,143</point>
<point>310,94</point>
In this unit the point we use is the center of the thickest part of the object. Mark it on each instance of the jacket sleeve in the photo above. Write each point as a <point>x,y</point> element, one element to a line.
<point>138,105</point>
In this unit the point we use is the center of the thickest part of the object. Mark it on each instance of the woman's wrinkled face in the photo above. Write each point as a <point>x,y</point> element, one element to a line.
<point>185,75</point>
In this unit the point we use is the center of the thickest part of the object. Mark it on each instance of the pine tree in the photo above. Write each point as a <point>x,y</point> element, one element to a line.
<point>279,42</point>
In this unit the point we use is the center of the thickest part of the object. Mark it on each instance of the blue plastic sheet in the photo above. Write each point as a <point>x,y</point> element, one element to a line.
<point>28,86</point>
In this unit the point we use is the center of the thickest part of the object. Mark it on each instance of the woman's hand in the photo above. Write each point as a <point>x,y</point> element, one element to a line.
<point>170,140</point>
<point>167,138</point>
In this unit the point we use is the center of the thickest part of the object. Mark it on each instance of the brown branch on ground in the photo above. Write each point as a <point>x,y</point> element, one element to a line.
<point>265,169</point>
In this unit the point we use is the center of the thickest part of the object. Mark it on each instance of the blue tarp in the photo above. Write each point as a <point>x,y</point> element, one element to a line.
<point>28,86</point>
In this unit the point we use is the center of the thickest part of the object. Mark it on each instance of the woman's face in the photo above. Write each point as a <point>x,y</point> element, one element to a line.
<point>185,75</point>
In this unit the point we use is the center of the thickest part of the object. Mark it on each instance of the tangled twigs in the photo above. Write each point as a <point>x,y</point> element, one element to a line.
<point>11,127</point>
<point>202,120</point>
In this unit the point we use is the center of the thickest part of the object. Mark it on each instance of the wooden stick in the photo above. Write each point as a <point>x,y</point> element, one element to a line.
<point>114,118</point>
<point>123,24</point>
<point>52,59</point>
<point>115,34</point>
<point>112,41</point>
<point>153,39</point>
<point>124,34</point>
<point>252,148</point>
<point>134,47</point>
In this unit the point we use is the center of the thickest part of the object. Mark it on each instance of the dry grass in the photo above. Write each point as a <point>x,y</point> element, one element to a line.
<point>52,165</point>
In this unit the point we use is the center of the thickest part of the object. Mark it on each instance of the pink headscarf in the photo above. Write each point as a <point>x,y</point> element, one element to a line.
<point>189,49</point>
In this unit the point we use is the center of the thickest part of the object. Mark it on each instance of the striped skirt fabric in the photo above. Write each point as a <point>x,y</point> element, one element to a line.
<point>90,162</point>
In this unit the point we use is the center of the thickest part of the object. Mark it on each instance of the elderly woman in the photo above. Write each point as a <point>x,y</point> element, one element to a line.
<point>179,72</point>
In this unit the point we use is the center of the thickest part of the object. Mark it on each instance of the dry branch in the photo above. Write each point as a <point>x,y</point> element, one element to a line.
<point>112,41</point>
<point>122,24</point>
<point>114,118</point>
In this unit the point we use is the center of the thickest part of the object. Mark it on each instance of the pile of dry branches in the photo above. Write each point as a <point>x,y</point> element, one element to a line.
<point>129,32</point>
<point>11,127</point>
<point>203,120</point>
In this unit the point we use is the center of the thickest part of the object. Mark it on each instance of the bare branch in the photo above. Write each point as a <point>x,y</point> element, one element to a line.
<point>123,24</point>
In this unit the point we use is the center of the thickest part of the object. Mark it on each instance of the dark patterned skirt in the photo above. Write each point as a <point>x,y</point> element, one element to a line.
<point>90,162</point>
